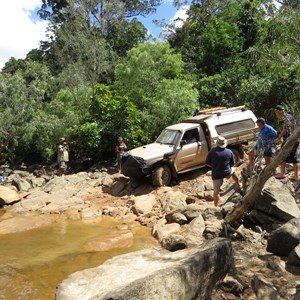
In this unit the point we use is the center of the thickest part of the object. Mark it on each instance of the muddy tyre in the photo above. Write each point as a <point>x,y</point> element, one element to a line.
<point>236,157</point>
<point>161,176</point>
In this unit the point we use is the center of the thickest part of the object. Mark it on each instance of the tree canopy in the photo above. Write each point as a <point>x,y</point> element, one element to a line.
<point>99,75</point>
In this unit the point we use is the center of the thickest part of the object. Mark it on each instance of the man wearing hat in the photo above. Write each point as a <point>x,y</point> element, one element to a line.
<point>221,161</point>
<point>287,124</point>
<point>266,140</point>
<point>62,156</point>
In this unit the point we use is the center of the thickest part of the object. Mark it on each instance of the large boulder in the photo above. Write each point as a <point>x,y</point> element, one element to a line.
<point>275,203</point>
<point>285,238</point>
<point>153,274</point>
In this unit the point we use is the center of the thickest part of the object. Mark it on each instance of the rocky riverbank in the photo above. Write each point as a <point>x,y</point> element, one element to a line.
<point>181,217</point>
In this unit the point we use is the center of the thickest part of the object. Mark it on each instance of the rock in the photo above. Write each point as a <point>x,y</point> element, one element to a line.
<point>143,204</point>
<point>195,231</point>
<point>117,240</point>
<point>173,201</point>
<point>38,182</point>
<point>153,275</point>
<point>160,231</point>
<point>176,217</point>
<point>277,201</point>
<point>24,223</point>
<point>264,289</point>
<point>285,238</point>
<point>212,213</point>
<point>8,196</point>
<point>231,285</point>
<point>91,213</point>
<point>174,242</point>
<point>21,184</point>
<point>192,211</point>
<point>213,228</point>
<point>294,257</point>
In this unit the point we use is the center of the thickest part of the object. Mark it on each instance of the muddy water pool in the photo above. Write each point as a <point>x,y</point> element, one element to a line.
<point>34,262</point>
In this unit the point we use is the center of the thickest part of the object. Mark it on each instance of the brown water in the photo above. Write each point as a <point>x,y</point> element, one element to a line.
<point>33,263</point>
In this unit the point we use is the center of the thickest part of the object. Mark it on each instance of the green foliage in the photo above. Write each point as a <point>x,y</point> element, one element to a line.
<point>153,77</point>
<point>96,78</point>
<point>222,44</point>
<point>111,115</point>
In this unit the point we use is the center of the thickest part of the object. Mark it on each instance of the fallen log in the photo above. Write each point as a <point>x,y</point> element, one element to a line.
<point>257,182</point>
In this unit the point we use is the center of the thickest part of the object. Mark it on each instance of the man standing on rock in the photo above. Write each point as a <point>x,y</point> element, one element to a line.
<point>221,161</point>
<point>62,156</point>
<point>287,121</point>
<point>265,143</point>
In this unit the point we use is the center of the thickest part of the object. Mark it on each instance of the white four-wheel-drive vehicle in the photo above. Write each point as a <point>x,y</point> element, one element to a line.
<point>184,146</point>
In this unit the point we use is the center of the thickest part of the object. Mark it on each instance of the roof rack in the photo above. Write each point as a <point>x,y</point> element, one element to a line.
<point>220,109</point>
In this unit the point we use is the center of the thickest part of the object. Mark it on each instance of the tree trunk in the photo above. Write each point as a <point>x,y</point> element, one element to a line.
<point>257,183</point>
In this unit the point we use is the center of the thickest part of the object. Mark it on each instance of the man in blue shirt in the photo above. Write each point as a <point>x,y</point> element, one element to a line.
<point>221,161</point>
<point>266,138</point>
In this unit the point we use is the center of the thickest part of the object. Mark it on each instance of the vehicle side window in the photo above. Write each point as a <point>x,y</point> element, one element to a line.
<point>191,136</point>
<point>235,126</point>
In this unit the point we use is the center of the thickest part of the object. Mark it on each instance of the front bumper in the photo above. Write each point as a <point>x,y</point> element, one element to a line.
<point>134,167</point>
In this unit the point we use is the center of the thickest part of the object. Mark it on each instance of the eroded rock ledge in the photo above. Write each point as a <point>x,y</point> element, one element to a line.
<point>152,274</point>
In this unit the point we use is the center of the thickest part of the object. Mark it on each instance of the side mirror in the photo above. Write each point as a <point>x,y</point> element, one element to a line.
<point>182,143</point>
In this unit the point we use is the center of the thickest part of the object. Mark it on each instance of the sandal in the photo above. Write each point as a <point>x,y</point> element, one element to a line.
<point>279,176</point>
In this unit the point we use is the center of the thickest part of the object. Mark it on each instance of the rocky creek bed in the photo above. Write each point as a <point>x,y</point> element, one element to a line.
<point>265,258</point>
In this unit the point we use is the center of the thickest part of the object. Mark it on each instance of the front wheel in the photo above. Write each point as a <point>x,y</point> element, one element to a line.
<point>161,176</point>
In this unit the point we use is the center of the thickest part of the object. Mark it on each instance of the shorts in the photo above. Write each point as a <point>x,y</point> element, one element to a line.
<point>217,183</point>
<point>269,152</point>
<point>292,158</point>
<point>63,165</point>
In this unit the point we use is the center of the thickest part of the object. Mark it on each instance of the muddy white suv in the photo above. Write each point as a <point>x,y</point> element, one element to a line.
<point>184,146</point>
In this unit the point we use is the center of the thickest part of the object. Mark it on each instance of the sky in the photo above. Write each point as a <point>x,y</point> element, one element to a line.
<point>21,30</point>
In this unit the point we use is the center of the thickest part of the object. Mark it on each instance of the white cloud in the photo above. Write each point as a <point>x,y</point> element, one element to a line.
<point>19,33</point>
<point>176,21</point>
<point>180,16</point>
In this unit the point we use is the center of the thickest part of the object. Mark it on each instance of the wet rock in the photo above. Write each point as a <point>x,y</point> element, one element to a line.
<point>24,223</point>
<point>117,240</point>
<point>91,213</point>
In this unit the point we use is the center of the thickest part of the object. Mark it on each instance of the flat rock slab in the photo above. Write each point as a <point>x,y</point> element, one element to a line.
<point>153,274</point>
<point>8,195</point>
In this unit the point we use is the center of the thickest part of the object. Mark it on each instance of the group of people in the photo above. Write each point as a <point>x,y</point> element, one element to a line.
<point>221,160</point>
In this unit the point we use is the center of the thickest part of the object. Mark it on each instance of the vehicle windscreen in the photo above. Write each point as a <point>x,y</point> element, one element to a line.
<point>169,137</point>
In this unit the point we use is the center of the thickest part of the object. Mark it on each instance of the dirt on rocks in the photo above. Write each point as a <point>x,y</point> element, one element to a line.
<point>253,267</point>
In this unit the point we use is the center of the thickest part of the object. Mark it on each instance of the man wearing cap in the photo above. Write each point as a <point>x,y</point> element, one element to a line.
<point>62,156</point>
<point>287,124</point>
<point>221,161</point>
<point>266,139</point>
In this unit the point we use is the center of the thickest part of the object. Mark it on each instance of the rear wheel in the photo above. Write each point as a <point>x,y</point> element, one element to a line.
<point>236,156</point>
<point>161,176</point>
